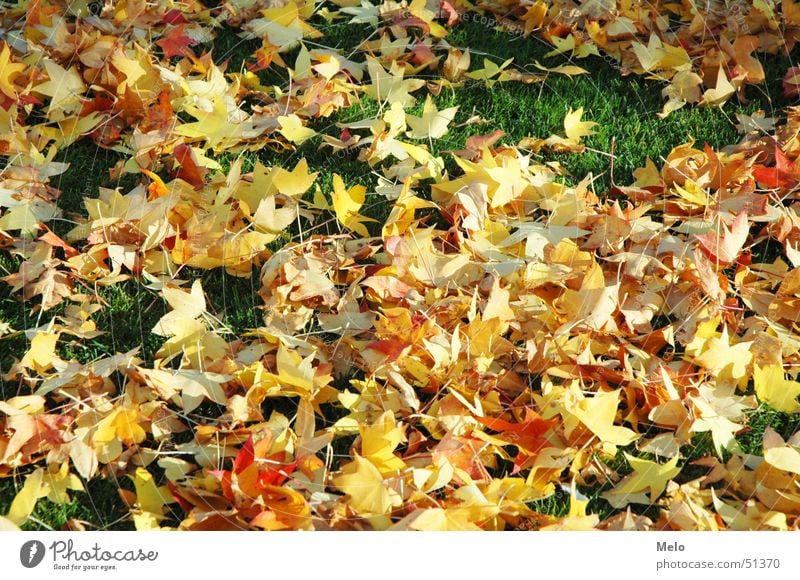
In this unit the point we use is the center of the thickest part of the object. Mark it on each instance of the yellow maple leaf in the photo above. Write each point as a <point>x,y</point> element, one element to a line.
<point>402,216</point>
<point>42,353</point>
<point>347,203</point>
<point>390,86</point>
<point>489,71</point>
<point>262,185</point>
<point>294,370</point>
<point>214,126</point>
<point>131,67</point>
<point>8,71</point>
<point>64,88</point>
<point>293,183</point>
<point>578,48</point>
<point>659,56</point>
<point>780,454</point>
<point>419,9</point>
<point>647,475</point>
<point>594,303</point>
<point>272,220</point>
<point>187,326</point>
<point>270,181</point>
<point>123,424</point>
<point>566,69</point>
<point>283,26</point>
<point>453,519</point>
<point>433,122</point>
<point>723,90</point>
<point>52,482</point>
<point>59,481</point>
<point>367,491</point>
<point>574,128</point>
<point>378,442</point>
<point>471,510</point>
<point>598,414</point>
<point>196,386</point>
<point>25,501</point>
<point>716,408</point>
<point>185,305</point>
<point>150,500</point>
<point>693,193</point>
<point>726,360</point>
<point>774,389</point>
<point>293,129</point>
<point>684,88</point>
<point>27,215</point>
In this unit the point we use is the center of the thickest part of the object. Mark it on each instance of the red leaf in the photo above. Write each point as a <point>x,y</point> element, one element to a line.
<point>245,457</point>
<point>423,56</point>
<point>174,16</point>
<point>464,453</point>
<point>392,348</point>
<point>173,489</point>
<point>159,115</point>
<point>529,436</point>
<point>275,475</point>
<point>224,477</point>
<point>99,103</point>
<point>725,248</point>
<point>6,102</point>
<point>109,132</point>
<point>176,43</point>
<point>783,175</point>
<point>188,170</point>
<point>28,100</point>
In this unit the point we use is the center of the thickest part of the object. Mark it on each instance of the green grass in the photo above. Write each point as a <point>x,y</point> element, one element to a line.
<point>624,108</point>
<point>99,506</point>
<point>88,171</point>
<point>763,418</point>
<point>123,302</point>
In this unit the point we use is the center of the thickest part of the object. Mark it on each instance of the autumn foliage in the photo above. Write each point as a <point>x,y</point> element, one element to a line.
<point>500,336</point>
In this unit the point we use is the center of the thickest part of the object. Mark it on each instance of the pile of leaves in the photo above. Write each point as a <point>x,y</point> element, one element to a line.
<point>500,337</point>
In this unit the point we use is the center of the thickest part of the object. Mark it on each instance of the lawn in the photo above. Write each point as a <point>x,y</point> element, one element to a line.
<point>333,407</point>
